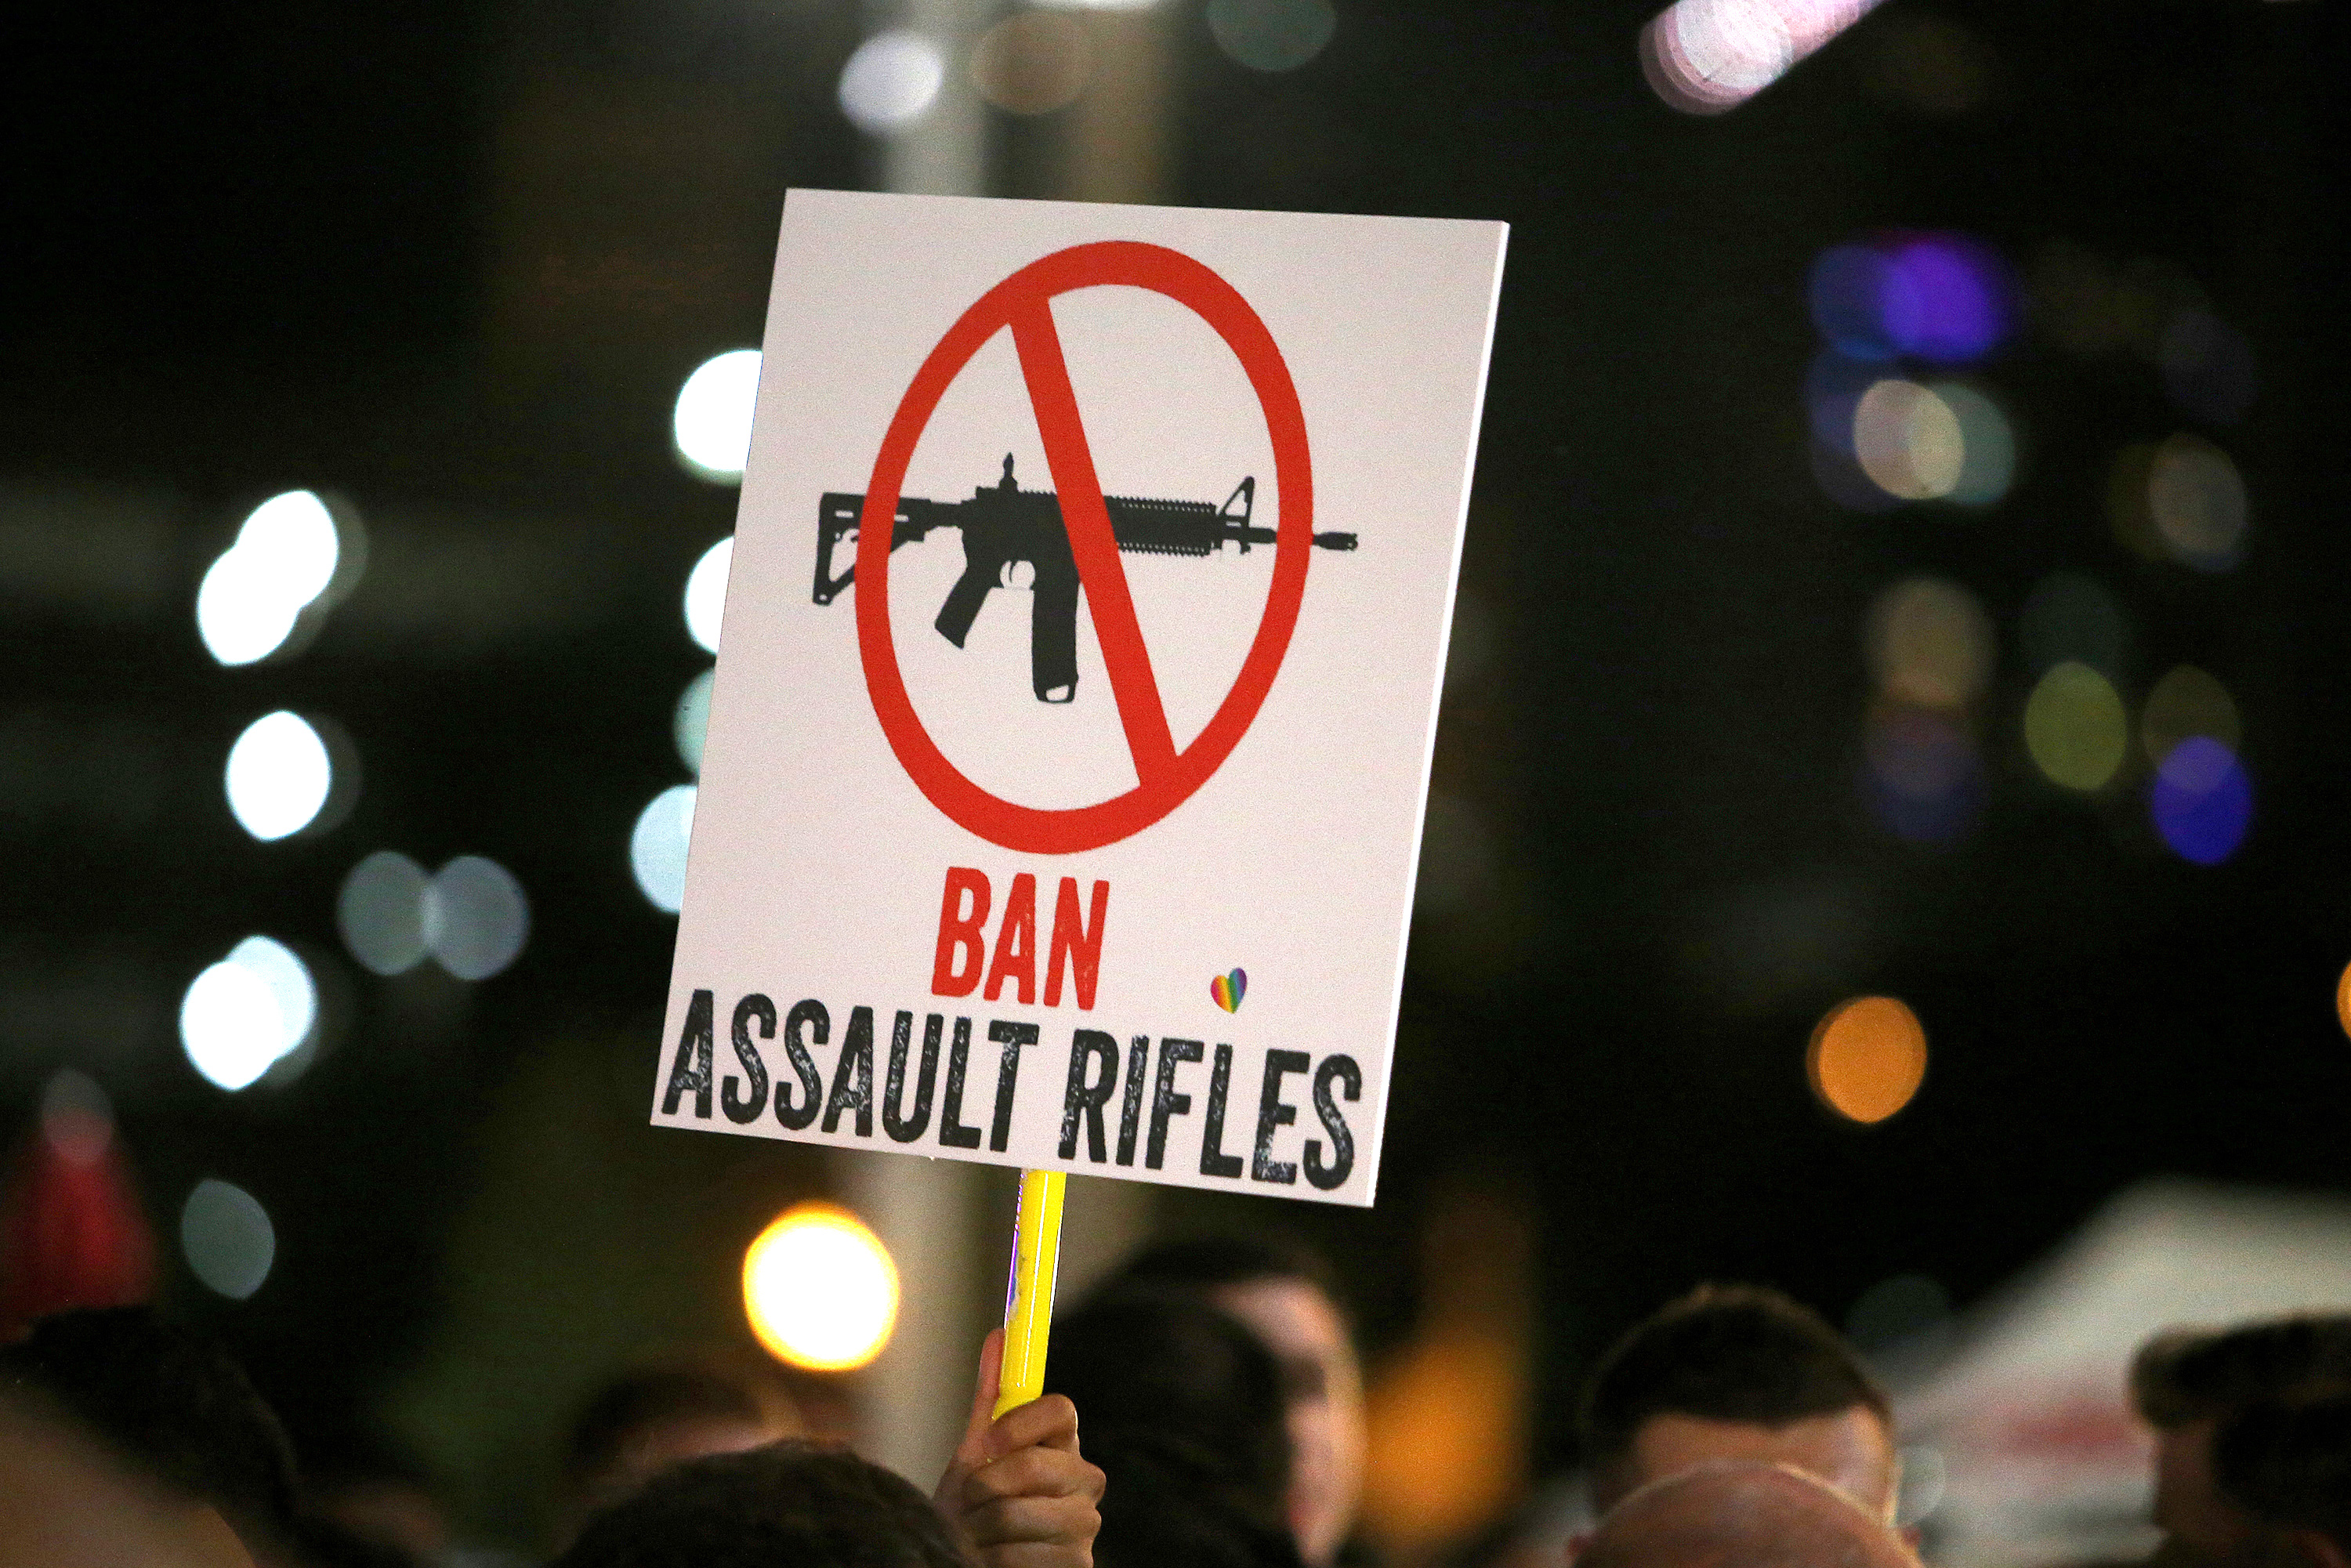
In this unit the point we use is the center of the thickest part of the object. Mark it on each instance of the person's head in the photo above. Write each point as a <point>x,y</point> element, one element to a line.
<point>794,1504</point>
<point>1183,1387</point>
<point>1737,1373</point>
<point>171,1403</point>
<point>1732,1513</point>
<point>1286,1296</point>
<point>2289,1466</point>
<point>2189,1386</point>
<point>651,1417</point>
<point>1165,1503</point>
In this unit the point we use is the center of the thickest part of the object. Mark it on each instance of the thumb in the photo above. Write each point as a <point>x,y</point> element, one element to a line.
<point>972,1452</point>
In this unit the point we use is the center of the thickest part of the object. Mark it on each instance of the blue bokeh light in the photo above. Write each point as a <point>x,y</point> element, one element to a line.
<point>1941,297</point>
<point>2201,800</point>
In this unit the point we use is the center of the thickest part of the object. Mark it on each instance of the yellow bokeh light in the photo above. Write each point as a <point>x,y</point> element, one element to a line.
<point>1867,1057</point>
<point>2074,726</point>
<point>820,1289</point>
<point>2184,703</point>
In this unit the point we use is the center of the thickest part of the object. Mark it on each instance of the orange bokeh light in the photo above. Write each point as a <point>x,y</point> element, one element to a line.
<point>2343,999</point>
<point>1867,1057</point>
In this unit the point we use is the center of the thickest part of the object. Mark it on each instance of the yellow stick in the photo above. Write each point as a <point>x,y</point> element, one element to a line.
<point>1028,1300</point>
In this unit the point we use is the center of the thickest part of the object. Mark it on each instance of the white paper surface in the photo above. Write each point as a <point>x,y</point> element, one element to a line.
<point>820,865</point>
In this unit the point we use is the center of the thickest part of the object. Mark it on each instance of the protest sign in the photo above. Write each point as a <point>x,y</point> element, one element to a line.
<point>1062,797</point>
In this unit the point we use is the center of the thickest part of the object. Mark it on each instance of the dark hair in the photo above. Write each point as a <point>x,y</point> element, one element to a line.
<point>796,1503</point>
<point>653,1396</point>
<point>2290,1465</point>
<point>1723,1353</point>
<point>1183,1409</point>
<point>171,1402</point>
<point>1164,1504</point>
<point>1211,1262</point>
<point>2190,1375</point>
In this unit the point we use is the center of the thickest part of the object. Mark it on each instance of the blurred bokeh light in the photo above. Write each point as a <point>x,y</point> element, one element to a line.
<point>278,776</point>
<point>2201,800</point>
<point>1929,643</point>
<point>471,916</point>
<point>1987,446</point>
<point>891,80</point>
<point>77,1121</point>
<point>820,1289</point>
<point>657,846</point>
<point>1945,298</point>
<point>285,557</point>
<point>1706,56</point>
<point>227,1239</point>
<point>2074,728</point>
<point>1272,35</point>
<point>2187,702</point>
<point>2197,502</point>
<point>1032,62</point>
<point>711,425</point>
<point>1907,440</point>
<point>691,722</point>
<point>240,1015</point>
<point>475,917</point>
<point>705,594</point>
<point>380,913</point>
<point>1867,1057</point>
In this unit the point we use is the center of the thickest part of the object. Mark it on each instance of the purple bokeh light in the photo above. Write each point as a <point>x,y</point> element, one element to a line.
<point>1941,297</point>
<point>2201,800</point>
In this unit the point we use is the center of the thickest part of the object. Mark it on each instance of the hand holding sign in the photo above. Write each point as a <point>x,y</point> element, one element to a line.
<point>1018,1485</point>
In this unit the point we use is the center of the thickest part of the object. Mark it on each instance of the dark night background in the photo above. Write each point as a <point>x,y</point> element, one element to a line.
<point>452,259</point>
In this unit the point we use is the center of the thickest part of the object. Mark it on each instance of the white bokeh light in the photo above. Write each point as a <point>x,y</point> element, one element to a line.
<point>380,913</point>
<point>820,1289</point>
<point>705,593</point>
<point>476,919</point>
<point>278,776</point>
<point>712,422</point>
<point>1706,56</point>
<point>227,1239</point>
<point>691,723</point>
<point>240,614</point>
<point>284,559</point>
<point>657,847</point>
<point>244,1013</point>
<point>891,80</point>
<point>1272,34</point>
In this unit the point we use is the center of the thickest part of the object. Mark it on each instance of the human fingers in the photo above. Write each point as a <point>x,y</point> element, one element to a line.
<point>1050,1421</point>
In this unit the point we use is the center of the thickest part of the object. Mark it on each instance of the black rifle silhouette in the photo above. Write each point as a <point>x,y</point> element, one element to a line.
<point>1003,525</point>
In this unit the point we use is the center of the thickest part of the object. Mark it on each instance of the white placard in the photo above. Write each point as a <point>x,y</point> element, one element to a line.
<point>1063,810</point>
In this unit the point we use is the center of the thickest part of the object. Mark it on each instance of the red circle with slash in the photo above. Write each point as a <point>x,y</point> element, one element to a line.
<point>1166,777</point>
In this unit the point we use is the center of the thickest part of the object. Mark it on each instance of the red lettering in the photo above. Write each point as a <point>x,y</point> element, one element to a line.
<point>1080,943</point>
<point>959,934</point>
<point>1015,941</point>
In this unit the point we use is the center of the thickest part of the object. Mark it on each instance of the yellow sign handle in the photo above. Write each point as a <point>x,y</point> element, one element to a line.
<point>1029,1299</point>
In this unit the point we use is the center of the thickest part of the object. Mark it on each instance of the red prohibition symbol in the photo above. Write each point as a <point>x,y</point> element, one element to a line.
<point>1165,777</point>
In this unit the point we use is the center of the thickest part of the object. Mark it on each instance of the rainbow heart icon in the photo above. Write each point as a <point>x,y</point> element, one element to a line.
<point>1228,989</point>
